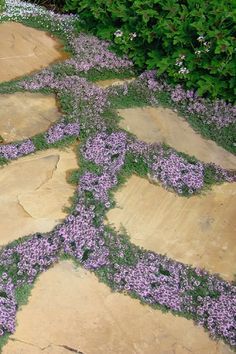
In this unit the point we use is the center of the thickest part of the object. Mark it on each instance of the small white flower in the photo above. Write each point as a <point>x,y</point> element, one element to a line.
<point>179,63</point>
<point>182,57</point>
<point>183,71</point>
<point>206,44</point>
<point>118,33</point>
<point>197,52</point>
<point>132,36</point>
<point>200,39</point>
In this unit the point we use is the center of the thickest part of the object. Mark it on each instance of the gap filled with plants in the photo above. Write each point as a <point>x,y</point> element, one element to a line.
<point>107,157</point>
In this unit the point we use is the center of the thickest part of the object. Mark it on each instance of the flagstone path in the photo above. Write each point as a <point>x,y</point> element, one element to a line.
<point>163,125</point>
<point>24,114</point>
<point>70,312</point>
<point>24,50</point>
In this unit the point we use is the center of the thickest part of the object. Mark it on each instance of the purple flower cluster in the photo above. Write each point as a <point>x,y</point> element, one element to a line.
<point>89,101</point>
<point>61,130</point>
<point>81,239</point>
<point>16,10</point>
<point>159,280</point>
<point>98,185</point>
<point>32,256</point>
<point>172,170</point>
<point>8,305</point>
<point>175,172</point>
<point>13,151</point>
<point>107,151</point>
<point>218,112</point>
<point>93,53</point>
<point>27,259</point>
<point>218,316</point>
<point>222,174</point>
<point>154,279</point>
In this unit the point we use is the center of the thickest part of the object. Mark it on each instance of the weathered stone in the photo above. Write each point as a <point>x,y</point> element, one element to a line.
<point>113,82</point>
<point>33,191</point>
<point>163,125</point>
<point>69,308</point>
<point>24,50</point>
<point>23,115</point>
<point>199,230</point>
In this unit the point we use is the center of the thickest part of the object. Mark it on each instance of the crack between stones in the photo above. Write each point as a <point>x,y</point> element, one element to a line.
<point>73,350</point>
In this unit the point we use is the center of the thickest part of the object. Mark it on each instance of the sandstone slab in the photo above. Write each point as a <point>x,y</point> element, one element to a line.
<point>163,125</point>
<point>70,311</point>
<point>33,192</point>
<point>200,230</point>
<point>113,82</point>
<point>24,114</point>
<point>24,50</point>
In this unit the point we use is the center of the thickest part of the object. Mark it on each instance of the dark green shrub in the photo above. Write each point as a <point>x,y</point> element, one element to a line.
<point>2,4</point>
<point>192,42</point>
<point>55,5</point>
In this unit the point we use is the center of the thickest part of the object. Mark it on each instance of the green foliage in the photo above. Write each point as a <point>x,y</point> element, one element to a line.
<point>3,161</point>
<point>2,5</point>
<point>191,42</point>
<point>55,5</point>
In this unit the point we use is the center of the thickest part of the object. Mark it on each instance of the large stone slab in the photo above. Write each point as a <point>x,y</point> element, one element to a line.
<point>24,50</point>
<point>70,311</point>
<point>199,230</point>
<point>24,114</point>
<point>33,192</point>
<point>163,125</point>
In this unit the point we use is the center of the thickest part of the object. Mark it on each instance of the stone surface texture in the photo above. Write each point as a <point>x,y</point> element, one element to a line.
<point>24,50</point>
<point>71,312</point>
<point>33,192</point>
<point>163,125</point>
<point>199,230</point>
<point>24,114</point>
<point>113,82</point>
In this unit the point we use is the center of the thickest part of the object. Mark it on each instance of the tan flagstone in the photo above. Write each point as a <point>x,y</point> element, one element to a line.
<point>113,82</point>
<point>33,192</point>
<point>164,125</point>
<point>24,50</point>
<point>200,230</point>
<point>24,114</point>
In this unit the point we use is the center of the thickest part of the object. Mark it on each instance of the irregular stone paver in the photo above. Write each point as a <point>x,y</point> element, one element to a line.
<point>23,115</point>
<point>24,49</point>
<point>33,191</point>
<point>163,125</point>
<point>199,230</point>
<point>70,308</point>
<point>113,82</point>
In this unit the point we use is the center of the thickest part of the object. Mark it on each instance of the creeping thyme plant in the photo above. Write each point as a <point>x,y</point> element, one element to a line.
<point>107,156</point>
